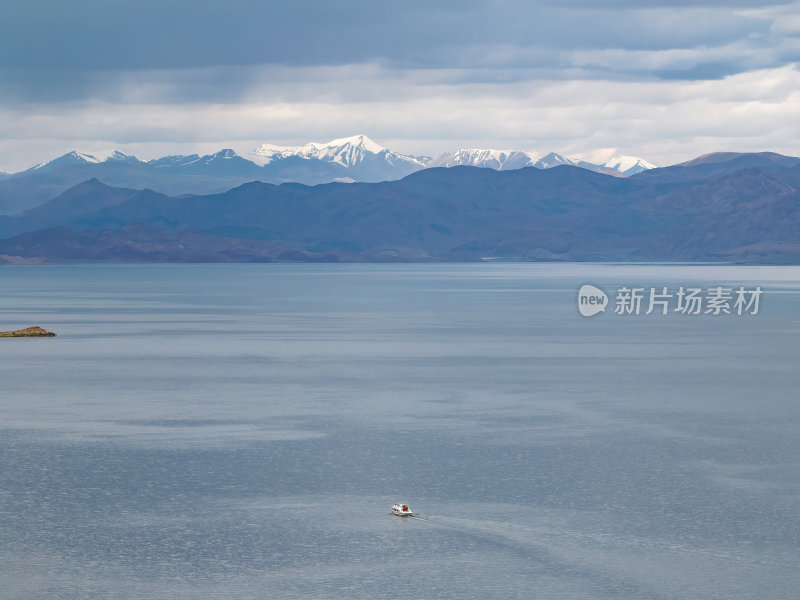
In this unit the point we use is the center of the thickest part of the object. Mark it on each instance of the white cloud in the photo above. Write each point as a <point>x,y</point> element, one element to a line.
<point>427,112</point>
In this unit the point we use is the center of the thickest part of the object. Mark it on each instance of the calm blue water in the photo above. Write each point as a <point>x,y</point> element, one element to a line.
<point>241,431</point>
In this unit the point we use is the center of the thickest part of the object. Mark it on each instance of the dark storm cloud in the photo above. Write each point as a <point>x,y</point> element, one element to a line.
<point>107,35</point>
<point>70,50</point>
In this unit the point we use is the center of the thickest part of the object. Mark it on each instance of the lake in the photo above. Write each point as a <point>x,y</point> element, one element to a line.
<point>241,432</point>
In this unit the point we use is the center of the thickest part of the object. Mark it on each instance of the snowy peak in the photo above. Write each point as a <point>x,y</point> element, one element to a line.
<point>174,160</point>
<point>347,152</point>
<point>618,166</point>
<point>553,159</point>
<point>223,163</point>
<point>502,160</point>
<point>183,160</point>
<point>356,157</point>
<point>83,158</point>
<point>357,141</point>
<point>487,158</point>
<point>225,154</point>
<point>121,157</point>
<point>628,165</point>
<point>73,157</point>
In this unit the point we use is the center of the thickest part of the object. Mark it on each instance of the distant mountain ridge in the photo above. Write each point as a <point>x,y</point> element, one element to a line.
<point>354,152</point>
<point>627,165</point>
<point>364,159</point>
<point>741,208</point>
<point>355,158</point>
<point>500,160</point>
<point>348,152</point>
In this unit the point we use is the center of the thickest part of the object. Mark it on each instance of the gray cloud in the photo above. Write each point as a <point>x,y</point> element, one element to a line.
<point>663,121</point>
<point>106,36</point>
<point>426,76</point>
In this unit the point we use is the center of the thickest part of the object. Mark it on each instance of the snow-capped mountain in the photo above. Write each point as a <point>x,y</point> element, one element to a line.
<point>619,165</point>
<point>554,159</point>
<point>363,158</point>
<point>120,157</point>
<point>81,158</point>
<point>115,157</point>
<point>499,160</point>
<point>174,160</point>
<point>355,158</point>
<point>351,159</point>
<point>628,165</point>
<point>224,162</point>
<point>73,157</point>
<point>347,151</point>
<point>503,160</point>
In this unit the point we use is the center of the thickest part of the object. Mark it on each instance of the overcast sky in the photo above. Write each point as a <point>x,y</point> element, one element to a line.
<point>664,80</point>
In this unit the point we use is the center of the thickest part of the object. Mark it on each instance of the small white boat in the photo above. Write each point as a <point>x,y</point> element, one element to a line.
<point>402,510</point>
